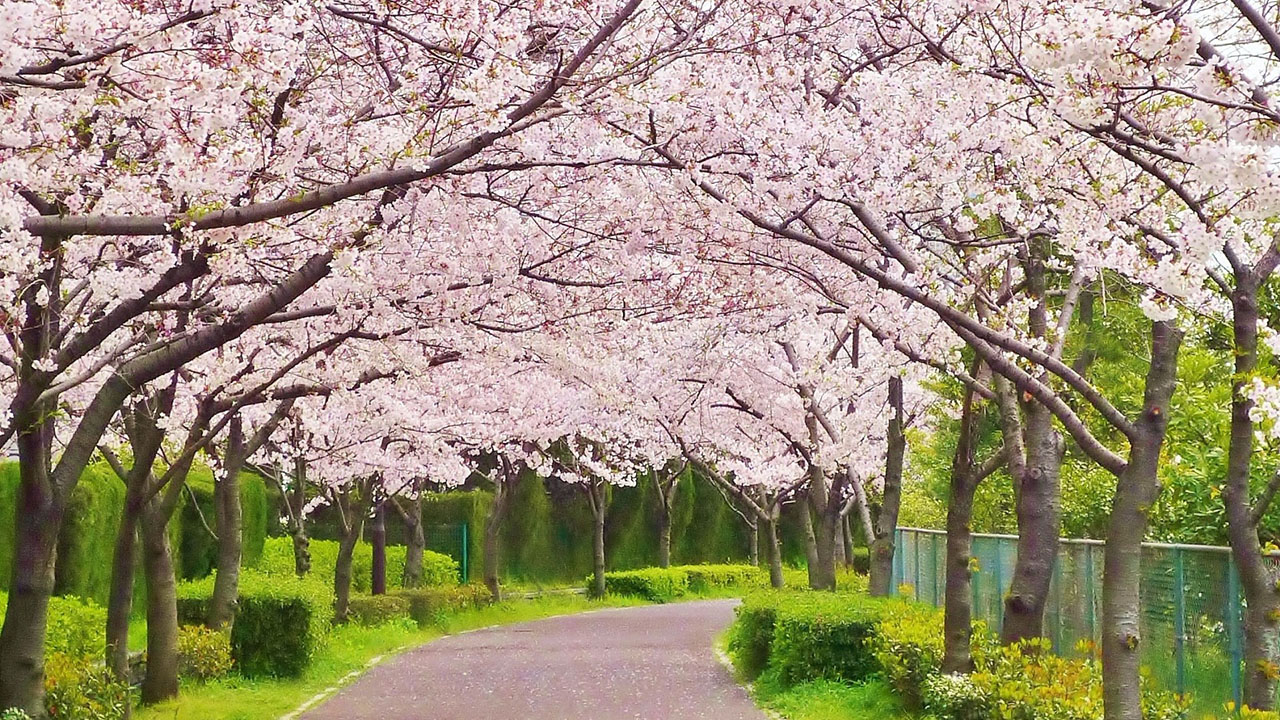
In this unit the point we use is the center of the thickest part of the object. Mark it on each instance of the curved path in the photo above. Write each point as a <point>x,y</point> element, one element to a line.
<point>647,663</point>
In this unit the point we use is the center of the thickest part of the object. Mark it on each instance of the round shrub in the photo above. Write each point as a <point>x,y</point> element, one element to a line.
<point>203,654</point>
<point>81,689</point>
<point>954,697</point>
<point>14,714</point>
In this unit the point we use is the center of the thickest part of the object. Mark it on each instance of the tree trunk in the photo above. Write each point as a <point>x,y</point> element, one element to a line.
<point>342,570</point>
<point>416,544</point>
<point>161,681</point>
<point>1039,519</point>
<point>823,576</point>
<point>38,519</point>
<point>493,537</point>
<point>1137,488</point>
<point>881,582</point>
<point>774,551</point>
<point>1262,603</point>
<point>301,541</point>
<point>753,553</point>
<point>600,511</point>
<point>666,500</point>
<point>301,551</point>
<point>958,610</point>
<point>810,541</point>
<point>846,534</point>
<point>230,527</point>
<point>120,600</point>
<point>841,557</point>
<point>378,581</point>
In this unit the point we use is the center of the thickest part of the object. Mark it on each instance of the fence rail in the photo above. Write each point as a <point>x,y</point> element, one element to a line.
<point>1191,621</point>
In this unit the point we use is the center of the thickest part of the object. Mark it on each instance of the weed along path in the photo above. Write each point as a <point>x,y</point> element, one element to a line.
<point>646,663</point>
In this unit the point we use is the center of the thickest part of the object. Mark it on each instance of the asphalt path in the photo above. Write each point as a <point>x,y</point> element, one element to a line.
<point>653,662</point>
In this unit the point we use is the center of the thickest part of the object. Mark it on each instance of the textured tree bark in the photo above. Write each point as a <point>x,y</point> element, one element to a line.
<point>161,681</point>
<point>753,552</point>
<point>1137,488</point>
<point>120,600</point>
<point>668,483</point>
<point>38,518</point>
<point>958,609</point>
<point>846,534</point>
<point>378,538</point>
<point>416,542</point>
<point>1262,602</point>
<point>229,520</point>
<point>342,570</point>
<point>881,582</point>
<point>493,533</point>
<point>599,508</point>
<point>301,540</point>
<point>1039,520</point>
<point>774,551</point>
<point>810,540</point>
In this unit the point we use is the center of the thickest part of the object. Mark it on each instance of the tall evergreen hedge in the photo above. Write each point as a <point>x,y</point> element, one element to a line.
<point>88,536</point>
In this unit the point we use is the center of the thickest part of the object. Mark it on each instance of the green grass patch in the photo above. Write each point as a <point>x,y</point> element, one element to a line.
<point>350,647</point>
<point>830,700</point>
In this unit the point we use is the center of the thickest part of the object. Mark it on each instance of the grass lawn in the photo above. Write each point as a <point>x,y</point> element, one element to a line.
<point>349,648</point>
<point>826,700</point>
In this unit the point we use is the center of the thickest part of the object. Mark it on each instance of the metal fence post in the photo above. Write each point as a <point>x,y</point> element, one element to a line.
<point>933,552</point>
<point>464,567</point>
<point>899,561</point>
<point>1180,621</point>
<point>1090,599</point>
<point>1234,631</point>
<point>915,546</point>
<point>999,579</point>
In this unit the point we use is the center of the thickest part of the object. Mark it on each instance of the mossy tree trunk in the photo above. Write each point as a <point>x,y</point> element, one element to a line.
<point>1137,489</point>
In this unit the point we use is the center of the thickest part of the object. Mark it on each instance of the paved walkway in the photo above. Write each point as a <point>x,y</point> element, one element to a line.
<point>647,663</point>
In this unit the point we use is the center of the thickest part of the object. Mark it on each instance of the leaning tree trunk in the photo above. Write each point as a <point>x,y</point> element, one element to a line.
<point>774,550</point>
<point>415,544</point>
<point>120,599</point>
<point>1039,512</point>
<point>882,550</point>
<point>342,570</point>
<point>1262,603</point>
<point>161,681</point>
<point>229,521</point>
<point>1137,489</point>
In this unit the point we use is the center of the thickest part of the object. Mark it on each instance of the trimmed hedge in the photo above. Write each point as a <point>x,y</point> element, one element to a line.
<point>429,605</point>
<point>280,623</point>
<point>76,627</point>
<point>377,609</point>
<point>667,584</point>
<point>277,559</point>
<point>425,606</point>
<point>799,636</point>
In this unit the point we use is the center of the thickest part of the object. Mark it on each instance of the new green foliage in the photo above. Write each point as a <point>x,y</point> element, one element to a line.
<point>667,584</point>
<point>277,559</point>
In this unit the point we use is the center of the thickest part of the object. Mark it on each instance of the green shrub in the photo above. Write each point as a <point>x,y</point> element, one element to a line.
<point>76,628</point>
<point>14,714</point>
<point>751,636</point>
<point>954,697</point>
<point>377,609</point>
<point>861,560</point>
<point>655,584</point>
<point>280,622</point>
<point>203,654</point>
<point>909,648</point>
<point>826,636</point>
<point>82,689</point>
<point>428,606</point>
<point>437,569</point>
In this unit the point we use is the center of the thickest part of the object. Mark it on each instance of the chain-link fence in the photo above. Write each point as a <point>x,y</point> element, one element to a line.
<point>454,541</point>
<point>1191,603</point>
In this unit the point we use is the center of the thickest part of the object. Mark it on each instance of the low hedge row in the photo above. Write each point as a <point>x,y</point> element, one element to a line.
<point>277,559</point>
<point>798,636</point>
<point>425,606</point>
<point>280,622</point>
<point>667,584</point>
